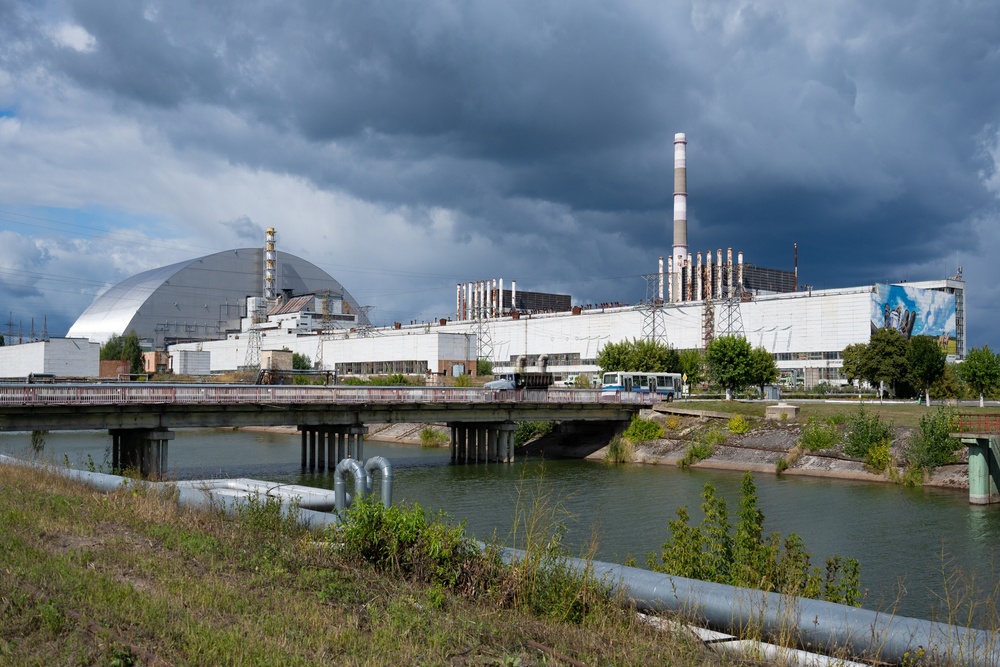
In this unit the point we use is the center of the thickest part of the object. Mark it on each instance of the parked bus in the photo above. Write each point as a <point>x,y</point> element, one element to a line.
<point>667,385</point>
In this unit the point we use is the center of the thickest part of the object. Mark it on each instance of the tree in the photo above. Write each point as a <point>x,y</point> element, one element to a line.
<point>729,363</point>
<point>885,359</point>
<point>927,362</point>
<point>484,367</point>
<point>112,349</point>
<point>763,369</point>
<point>2,342</point>
<point>693,366</point>
<point>301,362</point>
<point>124,348</point>
<point>647,356</point>
<point>981,371</point>
<point>854,359</point>
<point>132,352</point>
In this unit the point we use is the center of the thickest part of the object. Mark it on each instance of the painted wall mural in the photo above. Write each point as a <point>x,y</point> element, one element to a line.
<point>915,312</point>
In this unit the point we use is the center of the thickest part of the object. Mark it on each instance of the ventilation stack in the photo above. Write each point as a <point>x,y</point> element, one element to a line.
<point>270,266</point>
<point>680,251</point>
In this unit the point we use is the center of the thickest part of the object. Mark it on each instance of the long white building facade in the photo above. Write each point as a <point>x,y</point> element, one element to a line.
<point>805,331</point>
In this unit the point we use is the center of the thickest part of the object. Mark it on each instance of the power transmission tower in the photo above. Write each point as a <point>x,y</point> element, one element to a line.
<point>252,360</point>
<point>326,329</point>
<point>654,326</point>
<point>484,338</point>
<point>707,323</point>
<point>365,328</point>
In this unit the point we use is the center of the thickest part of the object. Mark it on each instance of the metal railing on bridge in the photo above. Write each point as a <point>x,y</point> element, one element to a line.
<point>977,423</point>
<point>141,393</point>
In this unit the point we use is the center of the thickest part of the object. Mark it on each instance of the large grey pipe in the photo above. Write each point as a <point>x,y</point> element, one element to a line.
<point>817,625</point>
<point>381,464</point>
<point>340,484</point>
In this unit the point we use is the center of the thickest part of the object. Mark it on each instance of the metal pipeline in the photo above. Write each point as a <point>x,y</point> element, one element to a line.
<point>340,484</point>
<point>381,464</point>
<point>817,625</point>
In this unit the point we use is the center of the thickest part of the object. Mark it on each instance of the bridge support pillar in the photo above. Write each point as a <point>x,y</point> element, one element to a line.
<point>482,442</point>
<point>141,449</point>
<point>984,468</point>
<point>325,445</point>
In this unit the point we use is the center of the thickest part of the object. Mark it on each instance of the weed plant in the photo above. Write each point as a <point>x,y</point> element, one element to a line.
<point>644,430</point>
<point>738,424</point>
<point>696,451</point>
<point>933,445</point>
<point>430,437</point>
<point>529,430</point>
<point>620,450</point>
<point>817,435</point>
<point>714,551</point>
<point>865,429</point>
<point>672,422</point>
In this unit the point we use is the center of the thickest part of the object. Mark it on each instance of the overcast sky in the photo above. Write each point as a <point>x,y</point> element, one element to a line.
<point>408,146</point>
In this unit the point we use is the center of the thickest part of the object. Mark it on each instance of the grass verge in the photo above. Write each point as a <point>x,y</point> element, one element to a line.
<point>130,578</point>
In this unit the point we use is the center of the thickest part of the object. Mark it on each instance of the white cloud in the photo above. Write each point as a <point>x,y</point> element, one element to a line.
<point>73,37</point>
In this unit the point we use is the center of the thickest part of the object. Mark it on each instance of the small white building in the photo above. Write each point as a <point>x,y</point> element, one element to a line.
<point>61,357</point>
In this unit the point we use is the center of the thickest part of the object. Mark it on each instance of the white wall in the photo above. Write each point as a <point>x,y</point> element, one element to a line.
<point>63,357</point>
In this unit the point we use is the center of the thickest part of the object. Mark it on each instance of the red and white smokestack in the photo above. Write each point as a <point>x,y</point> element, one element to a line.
<point>270,265</point>
<point>458,301</point>
<point>680,199</point>
<point>513,294</point>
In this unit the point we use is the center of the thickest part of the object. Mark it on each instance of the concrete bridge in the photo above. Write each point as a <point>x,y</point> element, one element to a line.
<point>141,417</point>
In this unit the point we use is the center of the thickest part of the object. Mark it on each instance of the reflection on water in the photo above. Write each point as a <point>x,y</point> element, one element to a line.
<point>905,539</point>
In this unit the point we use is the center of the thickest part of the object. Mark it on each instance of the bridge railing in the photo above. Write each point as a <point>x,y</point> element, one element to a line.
<point>977,423</point>
<point>142,393</point>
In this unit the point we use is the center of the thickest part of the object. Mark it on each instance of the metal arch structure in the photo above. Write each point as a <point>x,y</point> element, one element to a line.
<point>198,299</point>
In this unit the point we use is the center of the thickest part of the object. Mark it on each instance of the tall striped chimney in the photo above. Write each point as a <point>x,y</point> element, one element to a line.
<point>680,199</point>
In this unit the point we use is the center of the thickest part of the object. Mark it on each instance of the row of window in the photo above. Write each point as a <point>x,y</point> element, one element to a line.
<point>406,367</point>
<point>807,356</point>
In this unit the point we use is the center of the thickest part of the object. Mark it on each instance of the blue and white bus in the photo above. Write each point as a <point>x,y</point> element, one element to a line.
<point>667,385</point>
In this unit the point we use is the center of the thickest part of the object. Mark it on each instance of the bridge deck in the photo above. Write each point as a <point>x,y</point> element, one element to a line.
<point>141,405</point>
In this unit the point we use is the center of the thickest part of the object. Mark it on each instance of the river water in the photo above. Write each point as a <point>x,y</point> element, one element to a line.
<point>909,541</point>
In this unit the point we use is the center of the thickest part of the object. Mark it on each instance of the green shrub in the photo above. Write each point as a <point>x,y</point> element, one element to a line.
<point>403,540</point>
<point>781,465</point>
<point>644,430</point>
<point>933,445</point>
<point>696,451</point>
<point>817,436</point>
<point>529,430</point>
<point>484,367</point>
<point>430,437</point>
<point>739,425</point>
<point>878,457</point>
<point>620,450</point>
<point>463,381</point>
<point>865,430</point>
<point>672,422</point>
<point>713,436</point>
<point>836,419</point>
<point>713,551</point>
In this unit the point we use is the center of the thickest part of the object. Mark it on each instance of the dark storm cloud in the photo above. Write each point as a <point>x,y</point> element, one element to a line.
<point>861,130</point>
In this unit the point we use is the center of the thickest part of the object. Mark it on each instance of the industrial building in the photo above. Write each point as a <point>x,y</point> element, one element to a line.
<point>61,357</point>
<point>222,312</point>
<point>206,298</point>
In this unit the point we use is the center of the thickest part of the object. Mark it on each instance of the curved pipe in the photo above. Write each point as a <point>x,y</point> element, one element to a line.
<point>340,484</point>
<point>817,625</point>
<point>381,464</point>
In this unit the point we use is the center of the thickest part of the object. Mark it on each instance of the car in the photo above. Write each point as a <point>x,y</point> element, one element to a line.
<point>570,380</point>
<point>498,385</point>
